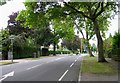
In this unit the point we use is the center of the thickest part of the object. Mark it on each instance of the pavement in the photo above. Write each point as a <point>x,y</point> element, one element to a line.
<point>55,68</point>
<point>101,78</point>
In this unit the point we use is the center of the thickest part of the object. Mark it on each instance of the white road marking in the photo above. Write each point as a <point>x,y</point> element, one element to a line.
<point>59,58</point>
<point>54,60</point>
<point>72,64</point>
<point>79,78</point>
<point>24,62</point>
<point>48,62</point>
<point>7,75</point>
<point>63,75</point>
<point>51,61</point>
<point>75,60</point>
<point>33,67</point>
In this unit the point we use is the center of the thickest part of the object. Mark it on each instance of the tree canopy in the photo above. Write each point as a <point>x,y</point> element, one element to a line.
<point>40,14</point>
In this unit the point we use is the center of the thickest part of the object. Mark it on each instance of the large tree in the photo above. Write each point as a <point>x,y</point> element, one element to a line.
<point>62,29</point>
<point>89,10</point>
<point>85,25</point>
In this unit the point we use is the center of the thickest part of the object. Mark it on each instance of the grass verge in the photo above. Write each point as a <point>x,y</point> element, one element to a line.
<point>90,65</point>
<point>6,63</point>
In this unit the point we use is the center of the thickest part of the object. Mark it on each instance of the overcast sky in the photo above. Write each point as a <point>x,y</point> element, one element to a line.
<point>17,5</point>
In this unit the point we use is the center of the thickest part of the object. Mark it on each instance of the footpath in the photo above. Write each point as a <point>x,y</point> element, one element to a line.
<point>7,62</point>
<point>90,77</point>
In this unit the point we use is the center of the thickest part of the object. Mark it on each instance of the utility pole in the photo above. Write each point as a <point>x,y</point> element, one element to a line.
<point>81,45</point>
<point>118,15</point>
<point>12,37</point>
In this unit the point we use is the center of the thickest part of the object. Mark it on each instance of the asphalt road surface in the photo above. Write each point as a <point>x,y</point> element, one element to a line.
<point>56,68</point>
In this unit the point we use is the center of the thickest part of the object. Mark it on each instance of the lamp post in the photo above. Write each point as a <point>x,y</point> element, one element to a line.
<point>12,37</point>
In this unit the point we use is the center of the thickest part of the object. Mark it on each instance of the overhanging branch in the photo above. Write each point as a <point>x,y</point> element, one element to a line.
<point>77,11</point>
<point>102,9</point>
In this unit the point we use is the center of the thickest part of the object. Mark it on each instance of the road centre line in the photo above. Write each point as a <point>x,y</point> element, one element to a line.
<point>33,67</point>
<point>72,64</point>
<point>75,60</point>
<point>63,75</point>
<point>54,60</point>
<point>46,62</point>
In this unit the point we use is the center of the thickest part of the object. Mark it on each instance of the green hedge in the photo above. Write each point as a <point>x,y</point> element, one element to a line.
<point>59,52</point>
<point>26,52</point>
<point>116,54</point>
<point>108,53</point>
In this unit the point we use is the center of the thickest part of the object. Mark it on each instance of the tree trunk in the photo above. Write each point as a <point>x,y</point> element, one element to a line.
<point>89,50</point>
<point>4,52</point>
<point>88,44</point>
<point>54,48</point>
<point>4,55</point>
<point>101,57</point>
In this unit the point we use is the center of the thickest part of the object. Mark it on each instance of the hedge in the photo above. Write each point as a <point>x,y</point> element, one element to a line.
<point>116,54</point>
<point>26,52</point>
<point>59,52</point>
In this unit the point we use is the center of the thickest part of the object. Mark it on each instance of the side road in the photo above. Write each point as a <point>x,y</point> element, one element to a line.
<point>91,70</point>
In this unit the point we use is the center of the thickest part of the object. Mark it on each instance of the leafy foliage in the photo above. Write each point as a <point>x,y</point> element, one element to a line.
<point>72,44</point>
<point>116,47</point>
<point>108,46</point>
<point>116,41</point>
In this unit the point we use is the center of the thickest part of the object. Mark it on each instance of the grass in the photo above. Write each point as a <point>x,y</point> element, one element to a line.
<point>6,63</point>
<point>90,65</point>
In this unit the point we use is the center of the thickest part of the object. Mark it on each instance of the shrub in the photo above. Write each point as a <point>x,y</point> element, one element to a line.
<point>116,47</point>
<point>116,54</point>
<point>59,52</point>
<point>108,52</point>
<point>26,52</point>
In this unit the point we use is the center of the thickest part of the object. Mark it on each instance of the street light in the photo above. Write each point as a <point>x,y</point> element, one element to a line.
<point>12,37</point>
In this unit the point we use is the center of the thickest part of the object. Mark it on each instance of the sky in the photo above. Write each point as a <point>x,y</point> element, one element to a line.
<point>7,9</point>
<point>17,5</point>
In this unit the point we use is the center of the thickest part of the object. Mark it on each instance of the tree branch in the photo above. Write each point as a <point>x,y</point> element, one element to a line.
<point>102,9</point>
<point>77,11</point>
<point>96,9</point>
<point>80,30</point>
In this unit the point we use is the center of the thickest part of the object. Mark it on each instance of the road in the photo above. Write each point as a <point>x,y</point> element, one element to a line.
<point>56,68</point>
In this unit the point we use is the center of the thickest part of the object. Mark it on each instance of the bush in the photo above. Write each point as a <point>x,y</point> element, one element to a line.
<point>45,52</point>
<point>59,52</point>
<point>26,52</point>
<point>116,54</point>
<point>108,52</point>
<point>116,47</point>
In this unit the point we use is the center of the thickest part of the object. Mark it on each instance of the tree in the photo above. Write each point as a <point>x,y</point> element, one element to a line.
<point>85,25</point>
<point>42,37</point>
<point>62,30</point>
<point>14,28</point>
<point>5,43</point>
<point>90,10</point>
<point>2,2</point>
<point>73,44</point>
